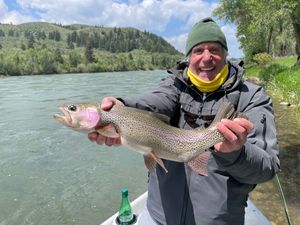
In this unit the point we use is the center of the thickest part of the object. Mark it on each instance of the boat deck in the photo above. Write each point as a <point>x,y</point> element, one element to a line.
<point>253,215</point>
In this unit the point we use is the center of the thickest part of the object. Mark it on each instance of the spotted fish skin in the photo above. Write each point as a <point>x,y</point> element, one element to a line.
<point>149,133</point>
<point>140,128</point>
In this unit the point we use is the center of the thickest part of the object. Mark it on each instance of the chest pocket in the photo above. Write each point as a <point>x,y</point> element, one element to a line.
<point>191,113</point>
<point>196,113</point>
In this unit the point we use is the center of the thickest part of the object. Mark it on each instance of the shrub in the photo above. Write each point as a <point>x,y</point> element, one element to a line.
<point>262,59</point>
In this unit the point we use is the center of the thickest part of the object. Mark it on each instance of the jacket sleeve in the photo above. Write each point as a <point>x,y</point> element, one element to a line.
<point>161,99</point>
<point>257,161</point>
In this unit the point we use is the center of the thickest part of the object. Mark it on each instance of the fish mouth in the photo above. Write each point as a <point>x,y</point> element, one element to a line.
<point>65,118</point>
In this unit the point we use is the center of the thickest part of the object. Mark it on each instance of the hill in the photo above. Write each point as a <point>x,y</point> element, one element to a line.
<point>54,48</point>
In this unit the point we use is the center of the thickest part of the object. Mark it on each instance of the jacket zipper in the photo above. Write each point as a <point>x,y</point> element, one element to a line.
<point>263,121</point>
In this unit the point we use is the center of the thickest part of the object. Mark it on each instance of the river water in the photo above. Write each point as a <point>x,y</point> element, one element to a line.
<point>50,175</point>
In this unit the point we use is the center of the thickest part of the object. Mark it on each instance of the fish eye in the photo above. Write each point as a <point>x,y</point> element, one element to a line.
<point>72,108</point>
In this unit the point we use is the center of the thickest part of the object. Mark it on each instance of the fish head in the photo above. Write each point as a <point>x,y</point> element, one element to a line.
<point>81,117</point>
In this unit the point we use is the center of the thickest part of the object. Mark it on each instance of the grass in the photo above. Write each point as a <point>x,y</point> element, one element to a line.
<point>287,84</point>
<point>281,76</point>
<point>255,71</point>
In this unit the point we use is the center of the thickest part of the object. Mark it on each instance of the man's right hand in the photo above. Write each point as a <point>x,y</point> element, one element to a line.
<point>106,104</point>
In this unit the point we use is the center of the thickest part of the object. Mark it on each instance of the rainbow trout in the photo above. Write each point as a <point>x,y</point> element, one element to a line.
<point>149,133</point>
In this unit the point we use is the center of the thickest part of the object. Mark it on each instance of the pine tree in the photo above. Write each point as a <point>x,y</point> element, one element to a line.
<point>23,47</point>
<point>2,34</point>
<point>57,56</point>
<point>69,42</point>
<point>57,35</point>
<point>89,53</point>
<point>74,36</point>
<point>11,33</point>
<point>31,42</point>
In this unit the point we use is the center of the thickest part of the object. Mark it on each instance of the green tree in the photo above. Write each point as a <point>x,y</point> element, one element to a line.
<point>57,36</point>
<point>58,57</point>
<point>23,47</point>
<point>31,42</point>
<point>69,42</point>
<point>74,36</point>
<point>11,32</point>
<point>260,22</point>
<point>54,35</point>
<point>121,60</point>
<point>46,62</point>
<point>2,34</point>
<point>89,53</point>
<point>295,16</point>
<point>30,62</point>
<point>74,59</point>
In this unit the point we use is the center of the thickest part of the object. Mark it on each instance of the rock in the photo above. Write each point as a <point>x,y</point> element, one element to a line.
<point>254,80</point>
<point>285,103</point>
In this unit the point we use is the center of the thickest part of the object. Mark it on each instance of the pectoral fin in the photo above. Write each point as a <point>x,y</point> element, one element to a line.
<point>108,131</point>
<point>151,159</point>
<point>199,164</point>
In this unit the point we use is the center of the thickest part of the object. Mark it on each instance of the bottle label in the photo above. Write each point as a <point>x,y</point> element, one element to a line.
<point>125,219</point>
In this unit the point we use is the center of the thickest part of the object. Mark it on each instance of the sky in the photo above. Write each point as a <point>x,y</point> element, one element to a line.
<point>170,19</point>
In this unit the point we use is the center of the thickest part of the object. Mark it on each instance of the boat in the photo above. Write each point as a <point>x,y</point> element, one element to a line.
<point>253,216</point>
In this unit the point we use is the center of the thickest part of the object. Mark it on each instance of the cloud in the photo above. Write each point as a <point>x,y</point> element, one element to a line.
<point>232,42</point>
<point>178,42</point>
<point>12,16</point>
<point>151,15</point>
<point>3,7</point>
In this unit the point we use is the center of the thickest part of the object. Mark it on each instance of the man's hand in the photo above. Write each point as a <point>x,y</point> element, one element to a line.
<point>106,104</point>
<point>235,133</point>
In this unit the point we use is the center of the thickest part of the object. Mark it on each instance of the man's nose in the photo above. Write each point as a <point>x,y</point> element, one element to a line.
<point>206,56</point>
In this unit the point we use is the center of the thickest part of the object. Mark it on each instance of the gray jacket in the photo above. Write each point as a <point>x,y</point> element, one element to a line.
<point>182,197</point>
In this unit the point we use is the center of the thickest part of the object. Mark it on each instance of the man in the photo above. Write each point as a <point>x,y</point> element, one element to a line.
<point>191,97</point>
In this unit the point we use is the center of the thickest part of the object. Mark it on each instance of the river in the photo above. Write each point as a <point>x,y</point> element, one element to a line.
<point>50,175</point>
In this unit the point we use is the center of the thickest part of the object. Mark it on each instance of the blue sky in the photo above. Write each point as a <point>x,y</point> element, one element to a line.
<point>171,19</point>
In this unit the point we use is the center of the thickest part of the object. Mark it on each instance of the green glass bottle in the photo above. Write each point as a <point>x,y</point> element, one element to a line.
<point>125,217</point>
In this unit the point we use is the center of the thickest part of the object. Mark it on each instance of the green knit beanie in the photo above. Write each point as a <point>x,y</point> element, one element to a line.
<point>206,30</point>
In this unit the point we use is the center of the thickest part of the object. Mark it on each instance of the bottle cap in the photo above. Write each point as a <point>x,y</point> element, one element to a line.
<point>124,192</point>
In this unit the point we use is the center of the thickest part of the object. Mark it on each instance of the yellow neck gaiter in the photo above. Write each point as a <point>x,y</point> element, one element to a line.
<point>209,86</point>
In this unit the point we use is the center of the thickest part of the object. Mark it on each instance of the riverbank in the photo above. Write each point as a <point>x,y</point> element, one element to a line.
<point>281,77</point>
<point>16,62</point>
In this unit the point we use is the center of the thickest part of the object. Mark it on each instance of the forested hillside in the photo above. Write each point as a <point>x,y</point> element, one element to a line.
<point>45,48</point>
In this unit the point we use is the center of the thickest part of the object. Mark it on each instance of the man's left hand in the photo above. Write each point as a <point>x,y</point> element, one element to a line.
<point>235,133</point>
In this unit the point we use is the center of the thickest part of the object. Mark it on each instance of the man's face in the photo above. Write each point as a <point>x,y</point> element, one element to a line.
<point>207,60</point>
